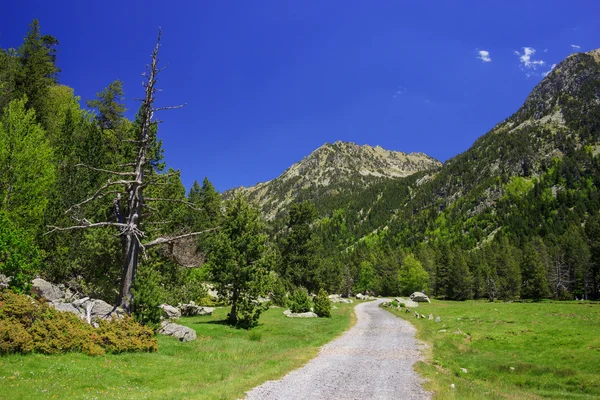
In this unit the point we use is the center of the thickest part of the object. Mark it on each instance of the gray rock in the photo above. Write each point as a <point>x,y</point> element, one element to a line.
<point>68,307</point>
<point>430,317</point>
<point>359,296</point>
<point>407,303</point>
<point>206,311</point>
<point>422,316</point>
<point>170,312</point>
<point>103,310</point>
<point>309,314</point>
<point>416,314</point>
<point>183,333</point>
<point>458,332</point>
<point>442,331</point>
<point>464,370</point>
<point>420,297</point>
<point>347,301</point>
<point>438,319</point>
<point>46,290</point>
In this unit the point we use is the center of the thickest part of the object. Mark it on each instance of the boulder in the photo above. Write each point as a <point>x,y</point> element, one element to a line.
<point>103,310</point>
<point>170,312</point>
<point>438,319</point>
<point>183,333</point>
<point>360,296</point>
<point>430,318</point>
<point>309,314</point>
<point>347,301</point>
<point>46,290</point>
<point>191,309</point>
<point>420,297</point>
<point>68,307</point>
<point>407,303</point>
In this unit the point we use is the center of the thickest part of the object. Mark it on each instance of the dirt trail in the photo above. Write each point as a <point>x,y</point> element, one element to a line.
<point>373,360</point>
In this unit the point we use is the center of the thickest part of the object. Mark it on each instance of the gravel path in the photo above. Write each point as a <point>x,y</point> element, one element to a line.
<point>373,360</point>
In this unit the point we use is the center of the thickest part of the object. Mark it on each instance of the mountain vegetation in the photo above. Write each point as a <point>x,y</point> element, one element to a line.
<point>514,216</point>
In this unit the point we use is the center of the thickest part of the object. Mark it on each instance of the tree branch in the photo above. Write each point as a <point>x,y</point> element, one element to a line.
<point>187,203</point>
<point>86,225</point>
<point>162,240</point>
<point>106,170</point>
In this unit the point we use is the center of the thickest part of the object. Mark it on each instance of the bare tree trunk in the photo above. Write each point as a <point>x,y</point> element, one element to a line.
<point>128,272</point>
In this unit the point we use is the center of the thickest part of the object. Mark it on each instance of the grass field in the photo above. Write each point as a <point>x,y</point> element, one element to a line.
<point>223,363</point>
<point>547,350</point>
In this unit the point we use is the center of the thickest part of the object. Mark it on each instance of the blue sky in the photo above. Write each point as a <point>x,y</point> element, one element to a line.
<point>267,82</point>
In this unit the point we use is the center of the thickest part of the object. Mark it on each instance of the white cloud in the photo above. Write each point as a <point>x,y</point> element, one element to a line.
<point>526,59</point>
<point>575,46</point>
<point>547,72</point>
<point>484,56</point>
<point>400,91</point>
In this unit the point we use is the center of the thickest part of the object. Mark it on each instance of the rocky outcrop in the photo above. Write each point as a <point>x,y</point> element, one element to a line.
<point>183,333</point>
<point>407,303</point>
<point>336,298</point>
<point>64,300</point>
<point>330,169</point>
<point>170,312</point>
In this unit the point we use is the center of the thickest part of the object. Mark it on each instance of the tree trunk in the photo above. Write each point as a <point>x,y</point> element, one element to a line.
<point>130,263</point>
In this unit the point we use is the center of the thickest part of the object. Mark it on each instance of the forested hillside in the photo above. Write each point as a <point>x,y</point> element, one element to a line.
<point>516,215</point>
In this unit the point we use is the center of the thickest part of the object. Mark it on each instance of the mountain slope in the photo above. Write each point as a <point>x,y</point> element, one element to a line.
<point>334,170</point>
<point>548,145</point>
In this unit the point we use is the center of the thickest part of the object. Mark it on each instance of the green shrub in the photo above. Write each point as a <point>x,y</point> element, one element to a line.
<point>300,301</point>
<point>19,258</point>
<point>322,304</point>
<point>147,297</point>
<point>248,313</point>
<point>27,325</point>
<point>278,293</point>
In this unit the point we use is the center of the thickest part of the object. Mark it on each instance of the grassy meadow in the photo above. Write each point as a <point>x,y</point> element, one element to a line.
<point>546,350</point>
<point>223,363</point>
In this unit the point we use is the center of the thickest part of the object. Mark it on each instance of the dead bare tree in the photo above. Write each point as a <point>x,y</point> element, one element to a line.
<point>127,186</point>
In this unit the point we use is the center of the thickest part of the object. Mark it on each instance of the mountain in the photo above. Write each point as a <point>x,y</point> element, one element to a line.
<point>334,170</point>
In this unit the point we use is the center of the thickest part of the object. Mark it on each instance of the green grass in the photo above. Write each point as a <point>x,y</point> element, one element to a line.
<point>223,363</point>
<point>547,350</point>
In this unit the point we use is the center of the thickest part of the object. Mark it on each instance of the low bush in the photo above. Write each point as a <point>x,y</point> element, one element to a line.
<point>322,304</point>
<point>27,325</point>
<point>300,301</point>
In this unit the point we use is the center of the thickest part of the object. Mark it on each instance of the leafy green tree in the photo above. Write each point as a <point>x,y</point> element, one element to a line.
<point>366,280</point>
<point>19,257</point>
<point>26,164</point>
<point>240,261</point>
<point>299,263</point>
<point>412,276</point>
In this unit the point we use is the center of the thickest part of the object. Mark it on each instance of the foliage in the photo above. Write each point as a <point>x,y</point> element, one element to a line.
<point>19,257</point>
<point>148,296</point>
<point>26,162</point>
<point>300,301</point>
<point>32,326</point>
<point>322,304</point>
<point>227,360</point>
<point>240,261</point>
<point>412,276</point>
<point>299,262</point>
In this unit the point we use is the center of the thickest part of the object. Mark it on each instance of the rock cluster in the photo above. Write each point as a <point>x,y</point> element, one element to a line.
<point>336,298</point>
<point>63,299</point>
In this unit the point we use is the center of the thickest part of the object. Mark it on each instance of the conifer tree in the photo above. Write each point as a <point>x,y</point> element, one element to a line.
<point>240,261</point>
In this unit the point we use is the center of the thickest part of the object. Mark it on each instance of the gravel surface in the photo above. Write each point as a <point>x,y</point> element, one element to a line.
<point>373,360</point>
